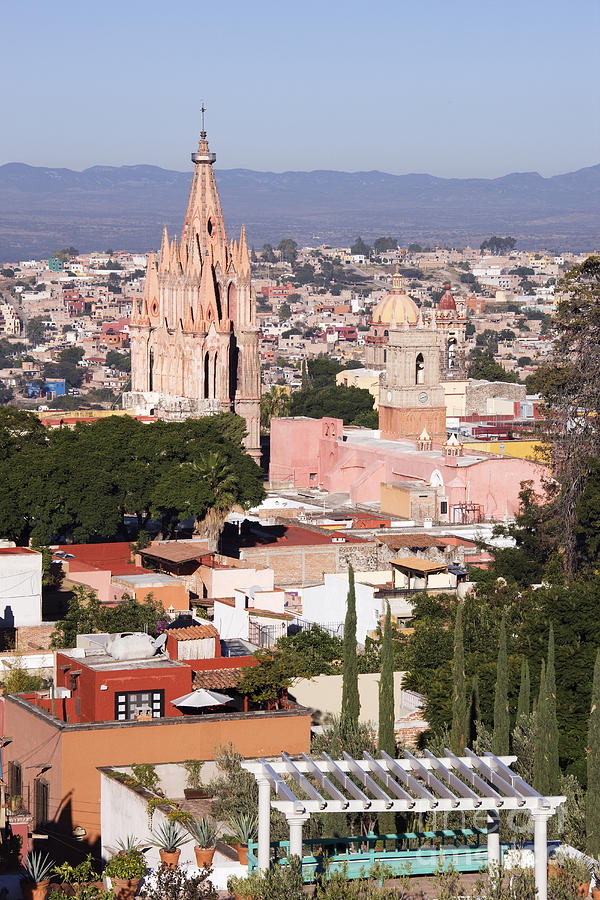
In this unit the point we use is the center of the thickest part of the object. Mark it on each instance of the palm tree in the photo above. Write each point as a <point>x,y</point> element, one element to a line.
<point>218,476</point>
<point>275,402</point>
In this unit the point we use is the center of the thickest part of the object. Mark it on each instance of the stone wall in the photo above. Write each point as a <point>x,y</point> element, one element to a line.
<point>478,393</point>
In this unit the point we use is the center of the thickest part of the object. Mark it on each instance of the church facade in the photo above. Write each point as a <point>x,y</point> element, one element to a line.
<point>194,339</point>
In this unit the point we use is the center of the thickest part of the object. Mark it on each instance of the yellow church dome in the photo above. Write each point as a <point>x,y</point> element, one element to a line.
<point>397,306</point>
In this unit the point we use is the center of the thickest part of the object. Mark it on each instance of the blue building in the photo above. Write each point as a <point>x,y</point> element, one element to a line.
<point>55,386</point>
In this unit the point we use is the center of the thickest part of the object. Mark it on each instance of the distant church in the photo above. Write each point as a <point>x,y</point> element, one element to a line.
<point>416,353</point>
<point>194,340</point>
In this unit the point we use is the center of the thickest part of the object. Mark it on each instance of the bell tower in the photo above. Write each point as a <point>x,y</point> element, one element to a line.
<point>411,397</point>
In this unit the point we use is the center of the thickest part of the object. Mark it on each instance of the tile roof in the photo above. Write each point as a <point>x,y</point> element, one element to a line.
<point>177,551</point>
<point>193,632</point>
<point>217,678</point>
<point>115,557</point>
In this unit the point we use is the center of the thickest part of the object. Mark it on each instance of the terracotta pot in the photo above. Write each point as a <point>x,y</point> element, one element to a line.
<point>242,852</point>
<point>584,889</point>
<point>204,856</point>
<point>554,870</point>
<point>125,888</point>
<point>196,794</point>
<point>35,891</point>
<point>596,893</point>
<point>169,858</point>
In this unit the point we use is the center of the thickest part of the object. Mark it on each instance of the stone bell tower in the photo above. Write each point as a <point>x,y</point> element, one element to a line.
<point>411,397</point>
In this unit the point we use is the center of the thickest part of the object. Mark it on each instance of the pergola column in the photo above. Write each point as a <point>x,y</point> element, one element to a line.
<point>540,850</point>
<point>296,822</point>
<point>264,824</point>
<point>493,839</point>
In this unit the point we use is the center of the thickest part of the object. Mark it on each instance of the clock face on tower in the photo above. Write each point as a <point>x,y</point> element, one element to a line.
<point>423,397</point>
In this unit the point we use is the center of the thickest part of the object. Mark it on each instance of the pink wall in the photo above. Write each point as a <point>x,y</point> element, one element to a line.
<point>97,580</point>
<point>359,468</point>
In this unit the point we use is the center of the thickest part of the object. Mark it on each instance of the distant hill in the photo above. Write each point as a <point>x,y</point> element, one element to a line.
<point>44,209</point>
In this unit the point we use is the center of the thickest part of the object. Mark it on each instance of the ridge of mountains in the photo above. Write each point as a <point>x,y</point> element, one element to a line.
<point>43,209</point>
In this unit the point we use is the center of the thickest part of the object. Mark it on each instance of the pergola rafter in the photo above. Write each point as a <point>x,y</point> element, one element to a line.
<point>409,784</point>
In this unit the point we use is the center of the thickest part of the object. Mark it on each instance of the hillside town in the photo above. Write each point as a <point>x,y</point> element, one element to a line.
<point>257,503</point>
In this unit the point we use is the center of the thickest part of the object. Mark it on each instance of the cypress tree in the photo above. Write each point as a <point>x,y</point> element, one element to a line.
<point>387,735</point>
<point>350,697</point>
<point>500,740</point>
<point>592,802</point>
<point>459,709</point>
<point>474,713</point>
<point>553,765</point>
<point>524,702</point>
<point>540,751</point>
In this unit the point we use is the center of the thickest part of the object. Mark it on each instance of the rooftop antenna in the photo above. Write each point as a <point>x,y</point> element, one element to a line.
<point>202,111</point>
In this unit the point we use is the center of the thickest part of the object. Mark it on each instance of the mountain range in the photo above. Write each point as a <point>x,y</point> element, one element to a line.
<point>44,209</point>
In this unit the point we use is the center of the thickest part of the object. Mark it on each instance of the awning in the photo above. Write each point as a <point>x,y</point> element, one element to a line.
<point>201,698</point>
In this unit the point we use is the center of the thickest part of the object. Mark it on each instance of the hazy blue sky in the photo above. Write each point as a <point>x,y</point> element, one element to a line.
<point>450,87</point>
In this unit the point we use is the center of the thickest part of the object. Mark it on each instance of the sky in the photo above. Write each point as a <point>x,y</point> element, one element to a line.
<point>455,88</point>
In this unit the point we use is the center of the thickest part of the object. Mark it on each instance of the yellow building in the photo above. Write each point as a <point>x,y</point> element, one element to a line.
<point>531,450</point>
<point>366,379</point>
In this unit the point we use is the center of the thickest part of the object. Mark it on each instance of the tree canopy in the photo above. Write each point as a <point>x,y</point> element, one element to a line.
<point>484,366</point>
<point>498,245</point>
<point>78,484</point>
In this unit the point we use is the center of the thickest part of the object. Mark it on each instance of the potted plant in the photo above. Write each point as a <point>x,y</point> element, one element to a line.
<point>194,790</point>
<point>73,879</point>
<point>245,827</point>
<point>36,876</point>
<point>554,868</point>
<point>125,870</point>
<point>204,833</point>
<point>169,838</point>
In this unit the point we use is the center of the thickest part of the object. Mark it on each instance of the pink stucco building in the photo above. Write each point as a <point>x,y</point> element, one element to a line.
<point>321,453</point>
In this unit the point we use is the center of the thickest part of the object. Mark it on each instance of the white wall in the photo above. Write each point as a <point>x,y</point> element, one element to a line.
<point>324,693</point>
<point>231,622</point>
<point>20,589</point>
<point>325,603</point>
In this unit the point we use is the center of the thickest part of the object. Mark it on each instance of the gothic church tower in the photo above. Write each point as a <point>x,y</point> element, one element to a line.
<point>194,340</point>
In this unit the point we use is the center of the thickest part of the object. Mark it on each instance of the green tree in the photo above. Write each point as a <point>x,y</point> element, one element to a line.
<point>341,402</point>
<point>500,745</point>
<point>553,765</point>
<point>387,736</point>
<point>267,254</point>
<point>458,737</point>
<point>273,404</point>
<point>540,756</point>
<point>350,696</point>
<point>120,361</point>
<point>35,330</point>
<point>498,245</point>
<point>592,805</point>
<point>288,249</point>
<point>484,366</point>
<point>474,715</point>
<point>524,703</point>
<point>17,679</point>
<point>284,312</point>
<point>381,244</point>
<point>360,248</point>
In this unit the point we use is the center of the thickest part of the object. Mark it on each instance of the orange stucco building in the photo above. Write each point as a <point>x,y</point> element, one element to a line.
<point>54,764</point>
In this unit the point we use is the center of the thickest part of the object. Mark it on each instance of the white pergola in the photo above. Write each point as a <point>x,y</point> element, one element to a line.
<point>419,785</point>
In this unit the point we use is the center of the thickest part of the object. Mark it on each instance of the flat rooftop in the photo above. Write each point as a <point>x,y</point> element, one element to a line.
<point>100,661</point>
<point>290,536</point>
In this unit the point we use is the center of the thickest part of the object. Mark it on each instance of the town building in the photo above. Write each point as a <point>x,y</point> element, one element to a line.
<point>194,341</point>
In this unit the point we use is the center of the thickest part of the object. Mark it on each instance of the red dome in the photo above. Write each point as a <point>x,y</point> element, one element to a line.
<point>447,302</point>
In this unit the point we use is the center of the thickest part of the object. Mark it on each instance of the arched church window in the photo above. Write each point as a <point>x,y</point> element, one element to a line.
<point>215,394</point>
<point>375,332</point>
<point>451,353</point>
<point>386,333</point>
<point>206,376</point>
<point>151,370</point>
<point>420,369</point>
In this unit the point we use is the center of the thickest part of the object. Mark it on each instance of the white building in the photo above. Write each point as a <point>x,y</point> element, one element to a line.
<point>20,587</point>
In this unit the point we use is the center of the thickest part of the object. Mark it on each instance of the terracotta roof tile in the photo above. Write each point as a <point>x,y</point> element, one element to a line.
<point>217,678</point>
<point>193,632</point>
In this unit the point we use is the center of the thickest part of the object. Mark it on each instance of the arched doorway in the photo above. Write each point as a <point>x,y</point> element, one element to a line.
<point>420,369</point>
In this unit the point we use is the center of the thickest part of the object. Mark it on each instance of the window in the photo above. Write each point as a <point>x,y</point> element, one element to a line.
<point>131,704</point>
<point>15,783</point>
<point>41,798</point>
<point>444,508</point>
<point>420,370</point>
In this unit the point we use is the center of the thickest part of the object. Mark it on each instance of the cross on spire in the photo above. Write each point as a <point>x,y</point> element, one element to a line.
<point>202,111</point>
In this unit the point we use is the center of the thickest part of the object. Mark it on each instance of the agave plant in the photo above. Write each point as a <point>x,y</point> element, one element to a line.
<point>204,832</point>
<point>244,826</point>
<point>37,867</point>
<point>126,845</point>
<point>168,836</point>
